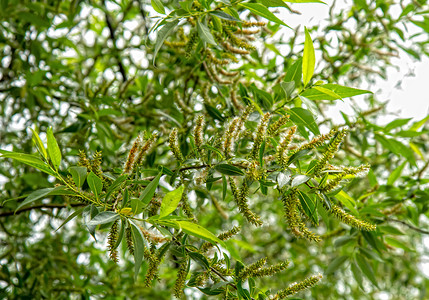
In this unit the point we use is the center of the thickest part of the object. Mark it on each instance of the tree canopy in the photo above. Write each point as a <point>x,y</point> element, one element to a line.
<point>185,149</point>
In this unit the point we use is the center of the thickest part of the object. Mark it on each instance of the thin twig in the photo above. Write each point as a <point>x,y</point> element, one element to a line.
<point>408,225</point>
<point>45,205</point>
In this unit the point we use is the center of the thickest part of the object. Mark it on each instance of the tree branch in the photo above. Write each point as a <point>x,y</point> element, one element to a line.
<point>45,205</point>
<point>408,225</point>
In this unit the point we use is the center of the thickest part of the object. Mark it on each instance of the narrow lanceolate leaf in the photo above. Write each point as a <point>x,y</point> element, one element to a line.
<point>103,218</point>
<point>366,269</point>
<point>53,149</point>
<point>199,231</point>
<point>335,264</point>
<point>170,201</point>
<point>308,59</point>
<point>138,242</point>
<point>157,6</point>
<point>327,92</point>
<point>30,160</point>
<point>150,189</point>
<point>95,184</point>
<point>79,175</point>
<point>71,217</point>
<point>205,34</point>
<point>163,33</point>
<point>262,11</point>
<point>39,144</point>
<point>396,174</point>
<point>39,194</point>
<point>229,170</point>
<point>224,15</point>
<point>309,206</point>
<point>338,92</point>
<point>303,117</point>
<point>304,1</point>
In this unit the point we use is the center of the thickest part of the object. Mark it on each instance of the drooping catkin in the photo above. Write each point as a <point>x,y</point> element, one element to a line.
<point>181,278</point>
<point>111,241</point>
<point>173,143</point>
<point>131,155</point>
<point>297,287</point>
<point>282,148</point>
<point>260,135</point>
<point>330,151</point>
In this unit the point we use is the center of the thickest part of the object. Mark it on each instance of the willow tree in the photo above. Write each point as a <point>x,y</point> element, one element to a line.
<point>182,148</point>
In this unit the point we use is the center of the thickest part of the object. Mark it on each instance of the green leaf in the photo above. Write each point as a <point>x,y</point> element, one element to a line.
<point>395,124</point>
<point>416,126</point>
<point>214,112</point>
<point>39,144</point>
<point>199,231</point>
<point>303,117</point>
<point>71,217</point>
<point>357,274</point>
<point>294,72</point>
<point>262,11</point>
<point>36,195</point>
<point>308,59</point>
<point>366,269</point>
<point>53,149</point>
<point>157,6</point>
<point>95,184</point>
<point>347,201</point>
<point>224,15</point>
<point>304,1</point>
<point>163,33</point>
<point>30,160</point>
<point>79,175</point>
<point>200,259</point>
<point>309,206</point>
<point>397,244</point>
<point>170,201</point>
<point>150,189</point>
<point>229,170</point>
<point>336,264</point>
<point>327,92</point>
<point>205,34</point>
<point>138,242</point>
<point>299,179</point>
<point>103,218</point>
<point>274,3</point>
<point>396,174</point>
<point>191,229</point>
<point>116,185</point>
<point>298,155</point>
<point>339,90</point>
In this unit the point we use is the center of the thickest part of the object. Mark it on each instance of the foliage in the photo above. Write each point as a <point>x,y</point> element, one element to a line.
<point>195,149</point>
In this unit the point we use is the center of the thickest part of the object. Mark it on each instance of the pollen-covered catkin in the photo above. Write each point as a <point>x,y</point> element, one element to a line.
<point>173,143</point>
<point>282,148</point>
<point>260,135</point>
<point>131,155</point>
<point>297,287</point>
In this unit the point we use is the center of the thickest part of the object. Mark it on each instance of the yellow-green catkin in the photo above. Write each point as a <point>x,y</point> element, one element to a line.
<point>227,73</point>
<point>273,129</point>
<point>181,278</point>
<point>293,218</point>
<point>260,135</point>
<point>249,270</point>
<point>270,271</point>
<point>131,155</point>
<point>297,287</point>
<point>348,219</point>
<point>173,143</point>
<point>229,139</point>
<point>190,45</point>
<point>111,241</point>
<point>216,61</point>
<point>96,164</point>
<point>334,183</point>
<point>282,148</point>
<point>234,100</point>
<point>83,160</point>
<point>199,133</point>
<point>330,151</point>
<point>129,239</point>
<point>223,237</point>
<point>240,197</point>
<point>317,141</point>
<point>181,104</point>
<point>144,149</point>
